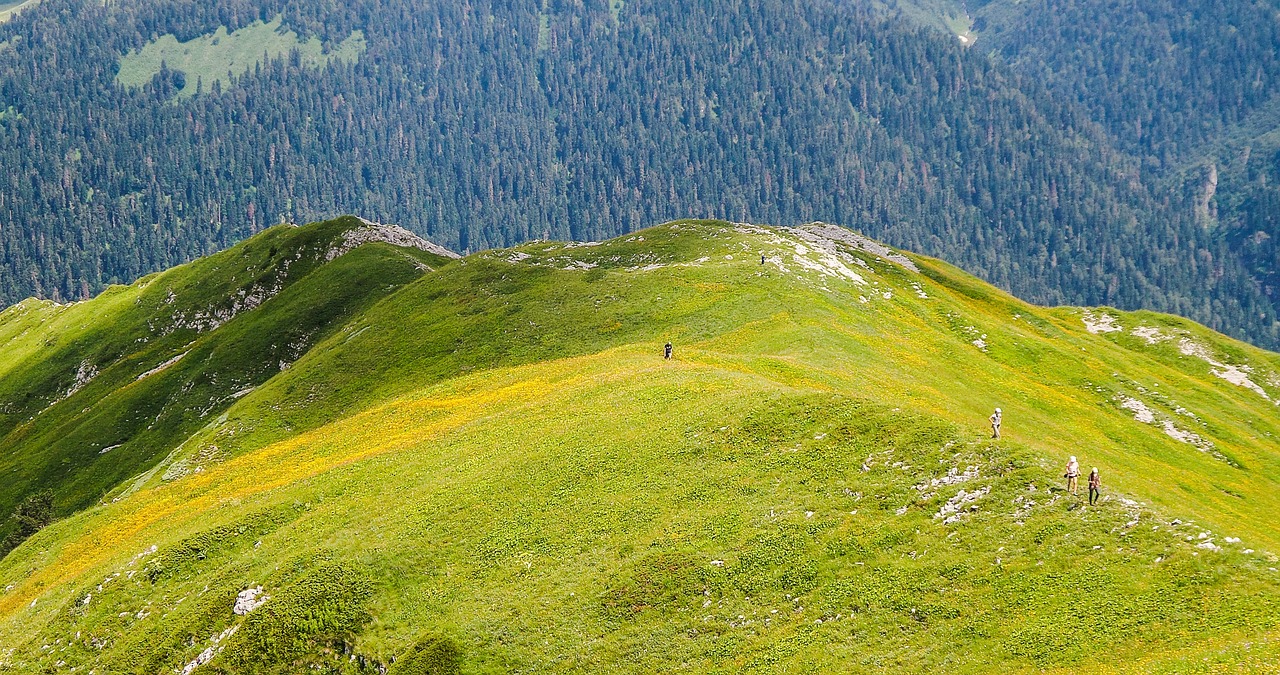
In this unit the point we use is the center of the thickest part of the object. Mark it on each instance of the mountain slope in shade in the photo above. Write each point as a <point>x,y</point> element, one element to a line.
<point>92,391</point>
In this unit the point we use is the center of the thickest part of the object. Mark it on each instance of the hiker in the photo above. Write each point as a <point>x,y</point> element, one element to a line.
<point>996,418</point>
<point>761,258</point>
<point>1073,476</point>
<point>1095,487</point>
<point>666,352</point>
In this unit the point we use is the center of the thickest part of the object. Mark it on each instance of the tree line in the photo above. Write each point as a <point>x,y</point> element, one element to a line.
<point>492,122</point>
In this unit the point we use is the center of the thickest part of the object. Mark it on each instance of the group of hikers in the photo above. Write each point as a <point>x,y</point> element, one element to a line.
<point>1073,466</point>
<point>1073,481</point>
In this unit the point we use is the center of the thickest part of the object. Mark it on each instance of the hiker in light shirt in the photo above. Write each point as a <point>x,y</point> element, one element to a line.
<point>1073,476</point>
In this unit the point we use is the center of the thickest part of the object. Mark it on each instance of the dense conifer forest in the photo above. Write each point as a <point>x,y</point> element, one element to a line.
<point>1188,88</point>
<point>1068,154</point>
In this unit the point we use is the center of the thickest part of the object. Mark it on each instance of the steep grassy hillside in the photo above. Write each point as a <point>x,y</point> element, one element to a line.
<point>93,393</point>
<point>493,469</point>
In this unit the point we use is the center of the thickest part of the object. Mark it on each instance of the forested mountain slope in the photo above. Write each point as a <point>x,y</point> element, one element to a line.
<point>492,468</point>
<point>492,123</point>
<point>97,392</point>
<point>1191,89</point>
<point>1166,78</point>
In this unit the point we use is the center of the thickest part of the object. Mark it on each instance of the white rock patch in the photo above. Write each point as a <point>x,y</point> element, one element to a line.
<point>210,652</point>
<point>84,374</point>
<point>1149,333</point>
<point>1140,410</point>
<point>390,234</point>
<point>249,600</point>
<point>1185,436</point>
<point>1237,375</point>
<point>951,511</point>
<point>953,477</point>
<point>1100,323</point>
<point>1023,507</point>
<point>162,366</point>
<point>826,264</point>
<point>1146,415</point>
<point>825,235</point>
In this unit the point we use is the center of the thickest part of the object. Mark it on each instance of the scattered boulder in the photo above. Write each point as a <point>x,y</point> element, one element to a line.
<point>249,600</point>
<point>952,510</point>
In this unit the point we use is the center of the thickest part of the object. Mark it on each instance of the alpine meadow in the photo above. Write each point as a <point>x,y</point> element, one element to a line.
<point>489,466</point>
<point>408,337</point>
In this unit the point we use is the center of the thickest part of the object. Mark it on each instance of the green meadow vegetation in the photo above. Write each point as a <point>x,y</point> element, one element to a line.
<point>487,466</point>
<point>214,60</point>
<point>93,393</point>
<point>946,15</point>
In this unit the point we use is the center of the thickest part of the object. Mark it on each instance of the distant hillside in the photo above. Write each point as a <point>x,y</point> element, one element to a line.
<point>1191,90</point>
<point>137,135</point>
<point>490,467</point>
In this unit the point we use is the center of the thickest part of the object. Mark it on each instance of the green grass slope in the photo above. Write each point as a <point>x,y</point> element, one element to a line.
<point>492,469</point>
<point>91,392</point>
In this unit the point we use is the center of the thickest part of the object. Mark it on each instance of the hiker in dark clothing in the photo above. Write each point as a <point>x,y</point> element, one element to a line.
<point>1095,487</point>
<point>761,258</point>
<point>666,352</point>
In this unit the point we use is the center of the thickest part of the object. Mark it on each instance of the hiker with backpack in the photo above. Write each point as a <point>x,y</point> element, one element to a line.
<point>666,352</point>
<point>1095,487</point>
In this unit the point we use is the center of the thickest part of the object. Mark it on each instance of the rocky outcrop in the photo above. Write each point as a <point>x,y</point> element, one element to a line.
<point>821,233</point>
<point>395,235</point>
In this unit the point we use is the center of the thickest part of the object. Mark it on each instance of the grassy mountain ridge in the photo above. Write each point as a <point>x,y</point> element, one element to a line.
<point>93,390</point>
<point>491,468</point>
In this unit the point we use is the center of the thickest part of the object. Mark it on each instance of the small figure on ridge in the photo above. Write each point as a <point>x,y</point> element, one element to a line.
<point>996,418</point>
<point>666,352</point>
<point>1073,476</point>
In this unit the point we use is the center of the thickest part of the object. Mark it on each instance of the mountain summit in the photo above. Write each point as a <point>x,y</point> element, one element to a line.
<point>395,460</point>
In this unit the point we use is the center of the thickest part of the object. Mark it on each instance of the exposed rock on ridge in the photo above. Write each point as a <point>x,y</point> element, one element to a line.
<point>390,234</point>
